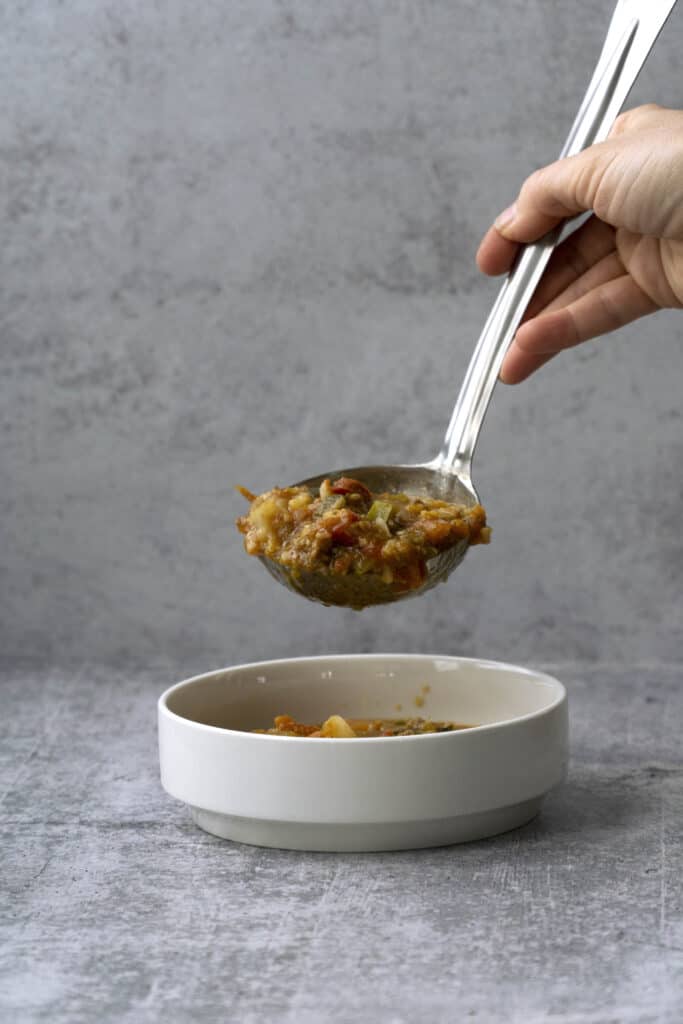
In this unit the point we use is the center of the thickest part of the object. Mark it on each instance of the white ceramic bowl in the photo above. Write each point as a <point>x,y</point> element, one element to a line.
<point>363,794</point>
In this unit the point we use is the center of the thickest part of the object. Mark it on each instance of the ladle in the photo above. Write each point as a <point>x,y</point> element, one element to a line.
<point>632,32</point>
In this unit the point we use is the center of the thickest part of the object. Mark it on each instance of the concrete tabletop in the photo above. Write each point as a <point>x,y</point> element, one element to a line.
<point>116,908</point>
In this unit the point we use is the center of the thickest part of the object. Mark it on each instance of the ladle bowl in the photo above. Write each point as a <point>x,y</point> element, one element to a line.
<point>360,591</point>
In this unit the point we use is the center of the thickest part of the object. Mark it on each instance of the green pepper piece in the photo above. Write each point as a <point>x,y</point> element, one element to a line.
<point>380,510</point>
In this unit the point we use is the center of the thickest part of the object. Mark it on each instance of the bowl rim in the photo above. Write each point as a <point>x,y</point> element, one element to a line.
<point>505,723</point>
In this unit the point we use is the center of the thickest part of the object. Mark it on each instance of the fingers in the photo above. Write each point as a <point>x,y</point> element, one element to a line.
<point>495,254</point>
<point>589,243</point>
<point>571,261</point>
<point>558,191</point>
<point>609,268</point>
<point>648,114</point>
<point>519,365</point>
<point>626,181</point>
<point>585,290</point>
<point>550,195</point>
<point>604,308</point>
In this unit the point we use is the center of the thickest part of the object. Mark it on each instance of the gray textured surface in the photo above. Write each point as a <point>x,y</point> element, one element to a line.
<point>116,909</point>
<point>238,246</point>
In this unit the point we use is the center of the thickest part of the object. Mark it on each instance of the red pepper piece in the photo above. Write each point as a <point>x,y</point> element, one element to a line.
<point>340,532</point>
<point>346,485</point>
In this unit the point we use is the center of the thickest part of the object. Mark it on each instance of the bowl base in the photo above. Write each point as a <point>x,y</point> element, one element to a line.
<point>366,837</point>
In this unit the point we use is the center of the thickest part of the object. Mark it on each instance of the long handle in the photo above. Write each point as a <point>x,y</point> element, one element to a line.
<point>633,30</point>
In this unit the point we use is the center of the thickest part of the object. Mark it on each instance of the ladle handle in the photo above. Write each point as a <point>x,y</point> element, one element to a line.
<point>633,30</point>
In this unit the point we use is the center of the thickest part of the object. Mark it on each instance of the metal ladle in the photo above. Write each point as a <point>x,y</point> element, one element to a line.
<point>632,32</point>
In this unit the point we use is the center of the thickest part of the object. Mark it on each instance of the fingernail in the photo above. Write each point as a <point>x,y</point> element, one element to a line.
<point>506,217</point>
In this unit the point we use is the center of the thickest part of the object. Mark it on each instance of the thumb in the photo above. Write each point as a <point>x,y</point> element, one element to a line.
<point>553,193</point>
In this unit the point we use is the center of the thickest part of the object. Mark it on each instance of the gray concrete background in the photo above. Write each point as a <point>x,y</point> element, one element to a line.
<point>238,246</point>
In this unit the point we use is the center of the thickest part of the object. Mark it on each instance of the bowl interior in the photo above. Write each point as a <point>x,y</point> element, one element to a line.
<point>363,686</point>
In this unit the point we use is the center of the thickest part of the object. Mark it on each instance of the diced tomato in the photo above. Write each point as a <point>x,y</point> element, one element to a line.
<point>346,485</point>
<point>342,535</point>
<point>341,532</point>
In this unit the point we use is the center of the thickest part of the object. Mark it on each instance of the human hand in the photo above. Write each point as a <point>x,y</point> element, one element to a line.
<point>624,262</point>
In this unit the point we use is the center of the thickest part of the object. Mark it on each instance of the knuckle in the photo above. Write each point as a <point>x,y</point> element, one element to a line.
<point>621,123</point>
<point>602,203</point>
<point>645,109</point>
<point>595,179</point>
<point>533,187</point>
<point>631,118</point>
